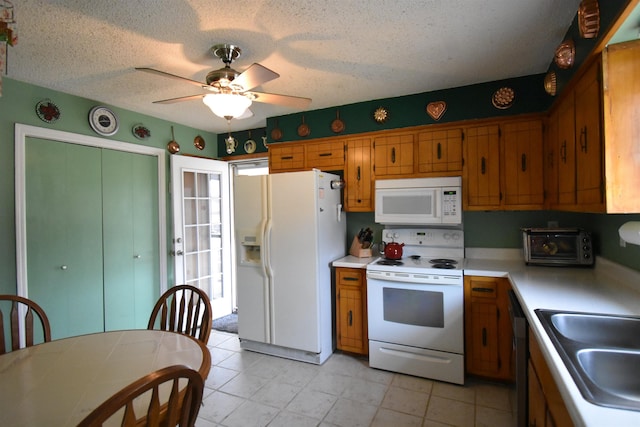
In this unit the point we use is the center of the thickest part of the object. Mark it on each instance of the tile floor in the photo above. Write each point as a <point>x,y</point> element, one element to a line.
<point>247,389</point>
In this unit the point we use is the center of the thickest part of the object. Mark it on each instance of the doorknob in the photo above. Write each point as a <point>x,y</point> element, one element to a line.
<point>177,253</point>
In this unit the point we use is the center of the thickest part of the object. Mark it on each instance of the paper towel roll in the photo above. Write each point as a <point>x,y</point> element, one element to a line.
<point>630,232</point>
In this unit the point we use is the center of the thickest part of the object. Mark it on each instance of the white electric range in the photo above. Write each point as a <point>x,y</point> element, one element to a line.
<point>416,307</point>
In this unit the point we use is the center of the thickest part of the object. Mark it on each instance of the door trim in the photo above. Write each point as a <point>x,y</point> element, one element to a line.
<point>22,132</point>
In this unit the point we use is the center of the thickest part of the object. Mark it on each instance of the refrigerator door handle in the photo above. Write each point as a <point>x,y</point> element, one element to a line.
<point>339,208</point>
<point>266,249</point>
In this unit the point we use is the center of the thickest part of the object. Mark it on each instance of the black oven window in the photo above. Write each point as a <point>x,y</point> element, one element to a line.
<point>554,246</point>
<point>412,307</point>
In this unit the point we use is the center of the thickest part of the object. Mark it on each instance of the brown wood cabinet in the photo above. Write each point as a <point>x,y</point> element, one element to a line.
<point>481,176</point>
<point>351,310</point>
<point>440,151</point>
<point>621,91</point>
<point>488,331</point>
<point>503,166</point>
<point>286,157</point>
<point>546,406</point>
<point>326,155</point>
<point>522,160</point>
<point>358,175</point>
<point>393,156</point>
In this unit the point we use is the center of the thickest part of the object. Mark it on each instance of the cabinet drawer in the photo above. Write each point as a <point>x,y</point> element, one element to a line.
<point>482,289</point>
<point>349,277</point>
<point>286,158</point>
<point>325,155</point>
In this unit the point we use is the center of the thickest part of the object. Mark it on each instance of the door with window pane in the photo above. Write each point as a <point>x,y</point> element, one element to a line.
<point>201,235</point>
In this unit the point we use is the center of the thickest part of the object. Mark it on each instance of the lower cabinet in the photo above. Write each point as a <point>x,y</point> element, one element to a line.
<point>351,310</point>
<point>488,331</point>
<point>546,406</point>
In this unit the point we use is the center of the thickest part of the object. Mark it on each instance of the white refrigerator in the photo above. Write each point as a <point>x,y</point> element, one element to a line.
<point>289,228</point>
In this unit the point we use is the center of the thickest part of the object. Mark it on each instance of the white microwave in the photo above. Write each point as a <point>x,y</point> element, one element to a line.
<point>419,201</point>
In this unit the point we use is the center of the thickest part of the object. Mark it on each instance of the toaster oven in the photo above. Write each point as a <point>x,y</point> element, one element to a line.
<point>557,246</point>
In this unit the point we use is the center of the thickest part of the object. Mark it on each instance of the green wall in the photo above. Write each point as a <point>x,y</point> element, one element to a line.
<point>17,105</point>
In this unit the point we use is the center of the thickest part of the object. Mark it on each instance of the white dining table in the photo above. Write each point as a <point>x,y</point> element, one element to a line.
<point>60,382</point>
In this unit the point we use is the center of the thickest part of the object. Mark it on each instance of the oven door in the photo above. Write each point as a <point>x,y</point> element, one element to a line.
<point>428,316</point>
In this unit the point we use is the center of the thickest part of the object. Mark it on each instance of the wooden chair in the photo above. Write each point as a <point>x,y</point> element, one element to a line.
<point>185,309</point>
<point>28,307</point>
<point>181,408</point>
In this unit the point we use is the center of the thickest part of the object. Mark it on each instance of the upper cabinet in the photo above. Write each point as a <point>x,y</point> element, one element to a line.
<point>358,174</point>
<point>393,155</point>
<point>440,151</point>
<point>592,160</point>
<point>503,166</point>
<point>621,92</point>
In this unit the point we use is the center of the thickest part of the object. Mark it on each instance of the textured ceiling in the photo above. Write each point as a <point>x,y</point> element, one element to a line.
<point>335,52</point>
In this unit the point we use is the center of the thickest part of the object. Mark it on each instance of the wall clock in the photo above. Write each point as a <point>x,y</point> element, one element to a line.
<point>103,120</point>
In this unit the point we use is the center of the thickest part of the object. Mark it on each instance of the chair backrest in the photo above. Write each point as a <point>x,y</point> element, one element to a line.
<point>22,314</point>
<point>185,309</point>
<point>181,408</point>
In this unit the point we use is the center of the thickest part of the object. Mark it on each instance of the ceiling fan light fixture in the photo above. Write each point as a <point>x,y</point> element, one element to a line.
<point>226,105</point>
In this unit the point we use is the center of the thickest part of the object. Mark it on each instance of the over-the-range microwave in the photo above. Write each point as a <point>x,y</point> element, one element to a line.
<point>419,201</point>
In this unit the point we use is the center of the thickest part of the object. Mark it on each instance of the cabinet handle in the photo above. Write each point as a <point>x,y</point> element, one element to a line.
<point>583,139</point>
<point>286,157</point>
<point>63,267</point>
<point>483,165</point>
<point>393,155</point>
<point>523,162</point>
<point>324,155</point>
<point>350,279</point>
<point>563,151</point>
<point>482,289</point>
<point>358,173</point>
<point>350,318</point>
<point>550,159</point>
<point>439,151</point>
<point>484,337</point>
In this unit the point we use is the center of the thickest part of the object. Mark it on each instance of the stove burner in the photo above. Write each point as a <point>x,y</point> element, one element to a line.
<point>446,265</point>
<point>390,262</point>
<point>443,261</point>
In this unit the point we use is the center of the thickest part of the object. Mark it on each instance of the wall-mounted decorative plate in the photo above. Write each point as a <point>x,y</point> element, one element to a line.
<point>140,131</point>
<point>47,111</point>
<point>503,98</point>
<point>589,19</point>
<point>565,54</point>
<point>198,142</point>
<point>249,146</point>
<point>381,115</point>
<point>436,109</point>
<point>103,121</point>
<point>550,83</point>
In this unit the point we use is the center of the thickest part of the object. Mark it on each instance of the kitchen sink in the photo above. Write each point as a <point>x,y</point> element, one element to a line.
<point>601,352</point>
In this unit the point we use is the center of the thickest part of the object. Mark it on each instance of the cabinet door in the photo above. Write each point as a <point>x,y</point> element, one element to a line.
<point>64,235</point>
<point>393,155</point>
<point>589,160</point>
<point>358,192</point>
<point>286,158</point>
<point>537,404</point>
<point>325,155</point>
<point>523,146</point>
<point>440,151</point>
<point>351,321</point>
<point>482,168</point>
<point>131,257</point>
<point>566,152</point>
<point>550,165</point>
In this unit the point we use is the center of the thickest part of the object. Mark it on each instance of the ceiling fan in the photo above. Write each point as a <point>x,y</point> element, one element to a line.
<point>228,92</point>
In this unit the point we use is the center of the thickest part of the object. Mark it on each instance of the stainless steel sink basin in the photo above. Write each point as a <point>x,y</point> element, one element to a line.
<point>601,352</point>
<point>608,331</point>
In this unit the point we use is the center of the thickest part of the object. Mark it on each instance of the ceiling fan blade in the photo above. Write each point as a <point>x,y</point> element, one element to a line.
<point>179,99</point>
<point>286,100</point>
<point>254,76</point>
<point>171,76</point>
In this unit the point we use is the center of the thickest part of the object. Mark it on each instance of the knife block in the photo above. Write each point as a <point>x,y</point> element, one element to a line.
<point>357,250</point>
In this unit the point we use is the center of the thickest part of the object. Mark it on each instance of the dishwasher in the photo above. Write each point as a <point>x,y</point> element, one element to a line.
<point>521,347</point>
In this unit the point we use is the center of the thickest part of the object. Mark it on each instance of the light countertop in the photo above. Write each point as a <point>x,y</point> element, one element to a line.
<point>606,288</point>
